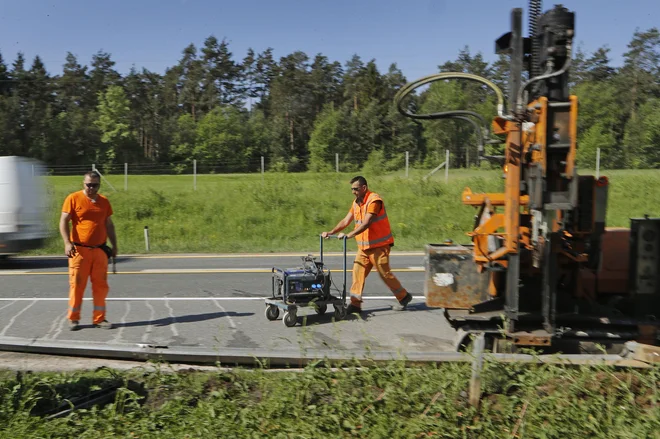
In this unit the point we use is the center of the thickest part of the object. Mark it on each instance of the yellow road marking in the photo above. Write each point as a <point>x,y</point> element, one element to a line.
<point>191,271</point>
<point>257,255</point>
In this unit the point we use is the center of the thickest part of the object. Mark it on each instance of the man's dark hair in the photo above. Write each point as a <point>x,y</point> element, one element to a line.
<point>360,179</point>
<point>92,174</point>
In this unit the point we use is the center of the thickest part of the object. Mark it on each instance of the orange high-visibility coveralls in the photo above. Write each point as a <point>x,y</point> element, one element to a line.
<point>373,248</point>
<point>88,232</point>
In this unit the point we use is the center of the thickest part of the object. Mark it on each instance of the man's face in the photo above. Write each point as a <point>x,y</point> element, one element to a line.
<point>358,190</point>
<point>91,186</point>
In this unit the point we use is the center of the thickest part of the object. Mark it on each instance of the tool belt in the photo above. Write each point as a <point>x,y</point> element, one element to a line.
<point>106,248</point>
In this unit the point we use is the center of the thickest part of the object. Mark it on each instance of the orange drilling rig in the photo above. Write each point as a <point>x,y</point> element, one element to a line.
<point>542,266</point>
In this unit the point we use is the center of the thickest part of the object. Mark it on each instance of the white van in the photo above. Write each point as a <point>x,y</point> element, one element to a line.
<point>23,205</point>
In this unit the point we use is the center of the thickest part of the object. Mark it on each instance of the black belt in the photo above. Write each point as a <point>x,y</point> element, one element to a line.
<point>87,246</point>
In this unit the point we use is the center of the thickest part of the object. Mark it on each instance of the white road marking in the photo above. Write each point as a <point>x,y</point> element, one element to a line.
<point>152,316</point>
<point>9,304</point>
<point>117,338</point>
<point>175,332</point>
<point>57,321</point>
<point>13,319</point>
<point>262,255</point>
<point>60,328</point>
<point>186,271</point>
<point>202,270</point>
<point>158,299</point>
<point>231,321</point>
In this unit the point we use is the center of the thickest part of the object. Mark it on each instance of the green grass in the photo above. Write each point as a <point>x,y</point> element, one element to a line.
<point>392,401</point>
<point>286,212</point>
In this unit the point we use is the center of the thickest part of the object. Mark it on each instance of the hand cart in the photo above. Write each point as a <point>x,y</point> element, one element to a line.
<point>306,286</point>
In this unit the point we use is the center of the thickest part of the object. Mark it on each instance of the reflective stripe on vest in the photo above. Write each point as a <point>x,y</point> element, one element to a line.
<point>379,233</point>
<point>373,242</point>
<point>378,218</point>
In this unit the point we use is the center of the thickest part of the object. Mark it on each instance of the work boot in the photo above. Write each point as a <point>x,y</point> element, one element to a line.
<point>103,325</point>
<point>74,325</point>
<point>403,303</point>
<point>352,309</point>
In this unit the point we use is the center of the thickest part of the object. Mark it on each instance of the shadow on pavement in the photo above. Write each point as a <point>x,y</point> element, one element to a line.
<point>410,308</point>
<point>33,263</point>
<point>367,313</point>
<point>191,318</point>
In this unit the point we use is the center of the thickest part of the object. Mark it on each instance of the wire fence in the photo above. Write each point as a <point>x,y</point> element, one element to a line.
<point>171,168</point>
<point>202,167</point>
<point>401,163</point>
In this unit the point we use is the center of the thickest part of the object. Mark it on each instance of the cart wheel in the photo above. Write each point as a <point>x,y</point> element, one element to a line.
<point>272,312</point>
<point>321,309</point>
<point>340,312</point>
<point>290,319</point>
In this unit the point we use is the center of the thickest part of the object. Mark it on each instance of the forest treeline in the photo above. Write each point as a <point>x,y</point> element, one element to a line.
<point>298,111</point>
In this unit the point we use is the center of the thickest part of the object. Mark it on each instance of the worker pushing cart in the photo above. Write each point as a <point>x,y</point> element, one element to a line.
<point>306,286</point>
<point>374,239</point>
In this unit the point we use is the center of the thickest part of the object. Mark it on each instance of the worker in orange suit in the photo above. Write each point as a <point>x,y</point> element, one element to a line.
<point>374,239</point>
<point>85,245</point>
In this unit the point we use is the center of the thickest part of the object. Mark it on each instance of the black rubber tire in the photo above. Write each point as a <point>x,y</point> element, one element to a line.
<point>272,312</point>
<point>290,319</point>
<point>340,313</point>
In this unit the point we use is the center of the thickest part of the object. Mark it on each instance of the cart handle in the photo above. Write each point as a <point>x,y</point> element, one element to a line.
<point>321,249</point>
<point>334,236</point>
<point>331,236</point>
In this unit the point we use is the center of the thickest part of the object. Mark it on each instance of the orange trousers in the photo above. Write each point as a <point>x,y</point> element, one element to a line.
<point>88,262</point>
<point>365,260</point>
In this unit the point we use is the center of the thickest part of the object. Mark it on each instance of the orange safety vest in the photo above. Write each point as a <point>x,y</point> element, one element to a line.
<point>378,234</point>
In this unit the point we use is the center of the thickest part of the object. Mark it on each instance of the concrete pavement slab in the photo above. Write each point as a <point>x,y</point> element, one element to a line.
<point>224,325</point>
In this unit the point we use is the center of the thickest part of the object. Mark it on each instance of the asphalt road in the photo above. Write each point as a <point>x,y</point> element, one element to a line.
<point>191,275</point>
<point>216,303</point>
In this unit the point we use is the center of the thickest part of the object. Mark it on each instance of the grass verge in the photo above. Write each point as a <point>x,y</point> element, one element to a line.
<point>391,401</point>
<point>286,212</point>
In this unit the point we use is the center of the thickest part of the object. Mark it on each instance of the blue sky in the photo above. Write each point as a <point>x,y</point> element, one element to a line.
<point>417,35</point>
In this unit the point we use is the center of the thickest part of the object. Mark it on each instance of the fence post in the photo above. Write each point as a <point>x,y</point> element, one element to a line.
<point>447,166</point>
<point>125,176</point>
<point>146,238</point>
<point>194,175</point>
<point>597,163</point>
<point>477,365</point>
<point>102,177</point>
<point>337,162</point>
<point>407,164</point>
<point>263,168</point>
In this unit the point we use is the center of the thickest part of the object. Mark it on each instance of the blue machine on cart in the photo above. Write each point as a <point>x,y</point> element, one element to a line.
<point>305,286</point>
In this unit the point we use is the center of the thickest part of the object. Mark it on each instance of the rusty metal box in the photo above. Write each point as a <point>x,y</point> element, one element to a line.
<point>451,278</point>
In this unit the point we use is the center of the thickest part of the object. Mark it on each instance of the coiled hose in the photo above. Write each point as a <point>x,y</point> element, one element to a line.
<point>453,114</point>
